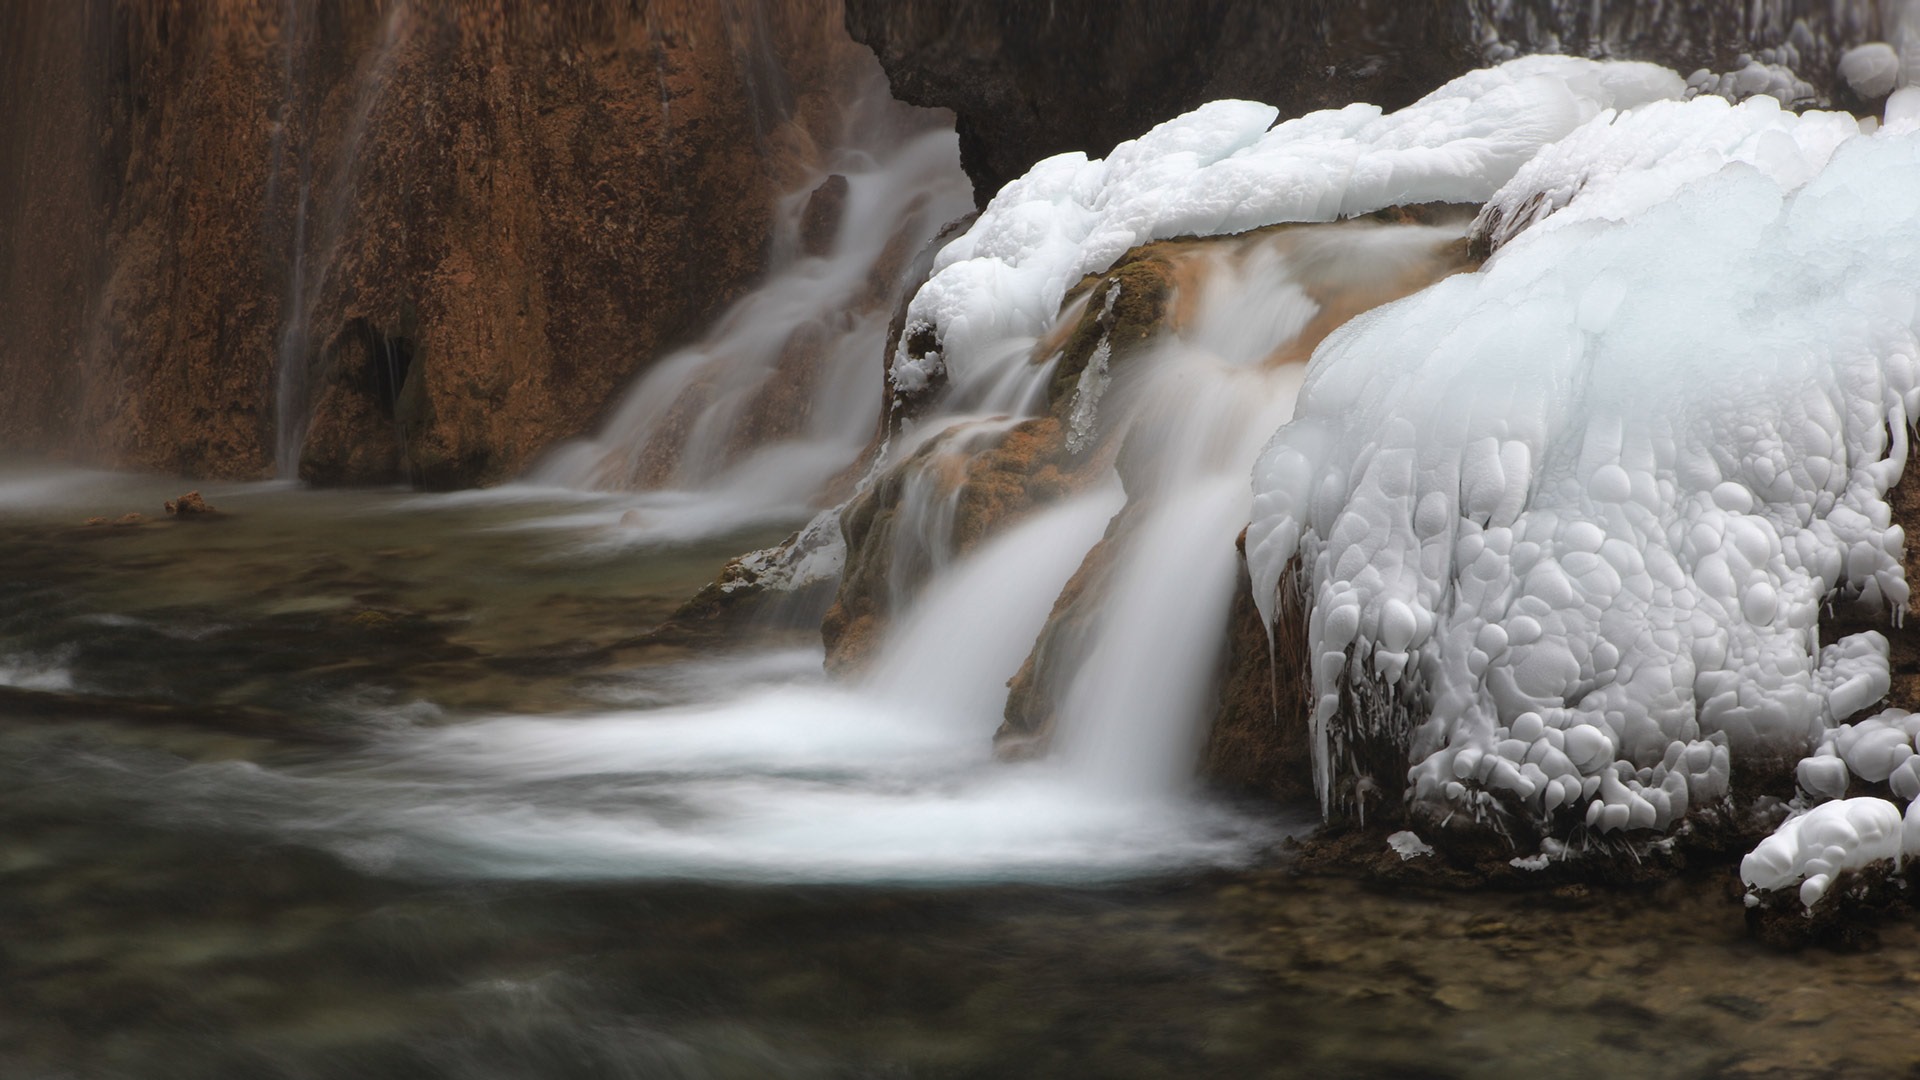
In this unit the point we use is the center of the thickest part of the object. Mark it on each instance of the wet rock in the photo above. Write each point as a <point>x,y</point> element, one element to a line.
<point>1026,730</point>
<point>826,207</point>
<point>1258,740</point>
<point>780,588</point>
<point>1847,918</point>
<point>192,504</point>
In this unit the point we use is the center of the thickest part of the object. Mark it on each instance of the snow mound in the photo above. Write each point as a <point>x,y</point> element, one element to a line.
<point>1225,168</point>
<point>1871,70</point>
<point>1619,165</point>
<point>1814,847</point>
<point>1567,522</point>
<point>1878,750</point>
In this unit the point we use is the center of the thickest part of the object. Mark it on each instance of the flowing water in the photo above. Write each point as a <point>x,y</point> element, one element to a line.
<point>382,785</point>
<point>782,393</point>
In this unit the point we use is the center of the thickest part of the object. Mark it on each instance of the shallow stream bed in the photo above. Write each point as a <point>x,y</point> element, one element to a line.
<point>297,792</point>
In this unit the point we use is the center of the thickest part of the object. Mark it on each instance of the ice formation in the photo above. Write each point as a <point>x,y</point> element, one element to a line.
<point>1814,847</point>
<point>1752,78</point>
<point>1574,515</point>
<point>1809,849</point>
<point>1871,70</point>
<point>1226,168</point>
<point>1408,845</point>
<point>1623,165</point>
<point>1878,750</point>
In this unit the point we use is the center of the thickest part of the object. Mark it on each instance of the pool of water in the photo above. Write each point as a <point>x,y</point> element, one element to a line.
<point>375,784</point>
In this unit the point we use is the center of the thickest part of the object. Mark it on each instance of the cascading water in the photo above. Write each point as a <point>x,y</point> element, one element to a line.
<point>779,397</point>
<point>292,394</point>
<point>1192,414</point>
<point>777,775</point>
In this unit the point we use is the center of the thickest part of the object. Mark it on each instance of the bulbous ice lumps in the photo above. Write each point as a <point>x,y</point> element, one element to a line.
<point>1810,850</point>
<point>1880,749</point>
<point>1622,501</point>
<point>1871,70</point>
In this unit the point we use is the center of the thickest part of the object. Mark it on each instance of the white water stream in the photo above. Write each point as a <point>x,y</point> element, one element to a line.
<point>775,774</point>
<point>751,422</point>
<point>772,773</point>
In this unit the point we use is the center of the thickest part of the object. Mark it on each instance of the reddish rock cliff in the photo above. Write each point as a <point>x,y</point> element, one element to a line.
<point>437,238</point>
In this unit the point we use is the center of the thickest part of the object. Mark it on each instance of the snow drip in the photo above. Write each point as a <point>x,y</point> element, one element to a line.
<point>1588,501</point>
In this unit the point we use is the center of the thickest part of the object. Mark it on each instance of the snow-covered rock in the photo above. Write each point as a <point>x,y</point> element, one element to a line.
<point>1226,168</point>
<point>1871,70</point>
<point>1575,514</point>
<point>1810,850</point>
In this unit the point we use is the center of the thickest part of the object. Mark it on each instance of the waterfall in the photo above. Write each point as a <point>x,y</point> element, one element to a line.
<point>777,775</point>
<point>293,397</point>
<point>781,393</point>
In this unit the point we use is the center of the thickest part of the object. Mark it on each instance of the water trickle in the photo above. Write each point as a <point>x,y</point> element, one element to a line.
<point>315,251</point>
<point>780,396</point>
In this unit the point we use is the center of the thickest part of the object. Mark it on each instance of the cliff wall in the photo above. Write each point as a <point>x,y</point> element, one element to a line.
<point>1029,80</point>
<point>389,239</point>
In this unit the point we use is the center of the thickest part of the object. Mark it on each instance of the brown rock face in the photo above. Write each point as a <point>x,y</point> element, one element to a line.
<point>1028,80</point>
<point>423,240</point>
<point>192,504</point>
<point>1258,742</point>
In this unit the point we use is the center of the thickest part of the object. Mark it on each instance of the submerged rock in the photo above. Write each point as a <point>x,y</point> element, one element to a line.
<point>192,504</point>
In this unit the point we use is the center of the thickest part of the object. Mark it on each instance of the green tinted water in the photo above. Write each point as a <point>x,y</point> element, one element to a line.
<point>149,929</point>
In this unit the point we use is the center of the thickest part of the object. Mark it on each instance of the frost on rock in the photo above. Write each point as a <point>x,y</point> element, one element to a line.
<point>1227,168</point>
<point>812,556</point>
<point>1567,522</point>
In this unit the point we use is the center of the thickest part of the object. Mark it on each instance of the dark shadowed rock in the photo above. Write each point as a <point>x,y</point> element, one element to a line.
<point>1028,80</point>
<point>826,207</point>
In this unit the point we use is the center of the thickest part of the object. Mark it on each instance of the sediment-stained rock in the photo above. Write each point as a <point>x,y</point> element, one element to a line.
<point>445,234</point>
<point>977,480</point>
